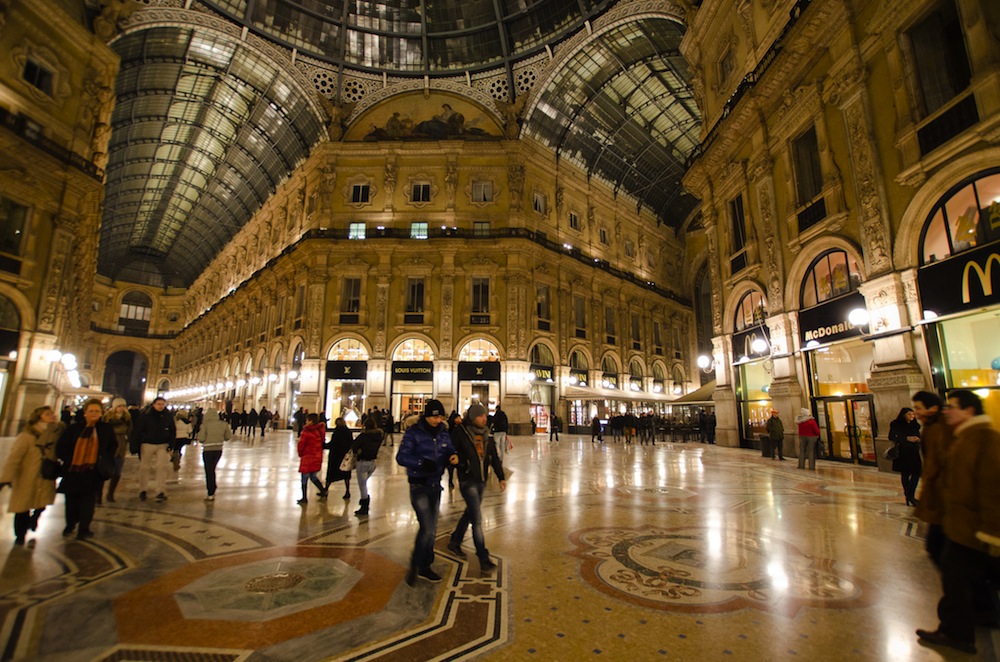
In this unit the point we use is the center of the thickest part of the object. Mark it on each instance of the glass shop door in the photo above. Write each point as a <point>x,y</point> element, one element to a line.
<point>847,426</point>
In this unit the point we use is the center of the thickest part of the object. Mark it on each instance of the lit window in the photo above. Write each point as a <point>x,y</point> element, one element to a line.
<point>539,204</point>
<point>418,230</point>
<point>356,231</point>
<point>482,191</point>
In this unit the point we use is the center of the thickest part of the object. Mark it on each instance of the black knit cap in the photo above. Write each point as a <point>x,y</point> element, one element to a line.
<point>434,408</point>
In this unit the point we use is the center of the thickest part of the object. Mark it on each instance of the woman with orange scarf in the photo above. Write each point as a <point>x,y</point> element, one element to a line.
<point>82,448</point>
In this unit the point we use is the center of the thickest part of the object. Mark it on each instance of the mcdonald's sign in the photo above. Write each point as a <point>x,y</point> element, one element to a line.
<point>965,281</point>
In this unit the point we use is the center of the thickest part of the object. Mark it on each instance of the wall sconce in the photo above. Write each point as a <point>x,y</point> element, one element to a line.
<point>272,377</point>
<point>293,374</point>
<point>255,380</point>
<point>706,363</point>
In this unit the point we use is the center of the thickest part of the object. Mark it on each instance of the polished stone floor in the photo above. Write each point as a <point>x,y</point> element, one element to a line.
<point>672,551</point>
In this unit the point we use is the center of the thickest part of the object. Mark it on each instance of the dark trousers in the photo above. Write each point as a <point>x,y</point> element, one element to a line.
<point>934,544</point>
<point>778,446</point>
<point>24,521</point>
<point>553,432</point>
<point>910,480</point>
<point>80,509</point>
<point>425,500</point>
<point>472,492</point>
<point>211,460</point>
<point>314,477</point>
<point>964,580</point>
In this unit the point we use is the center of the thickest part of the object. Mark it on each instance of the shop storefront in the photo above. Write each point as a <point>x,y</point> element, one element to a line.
<point>752,367</point>
<point>412,377</point>
<point>345,390</point>
<point>478,383</point>
<point>838,363</point>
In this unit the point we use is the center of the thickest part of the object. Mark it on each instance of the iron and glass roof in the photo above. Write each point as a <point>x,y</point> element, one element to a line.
<point>203,132</point>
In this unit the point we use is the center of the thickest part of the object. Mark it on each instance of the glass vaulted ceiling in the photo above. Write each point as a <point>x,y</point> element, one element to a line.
<point>414,36</point>
<point>623,108</point>
<point>203,131</point>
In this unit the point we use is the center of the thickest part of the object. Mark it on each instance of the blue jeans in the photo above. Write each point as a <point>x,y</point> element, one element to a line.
<point>472,492</point>
<point>305,484</point>
<point>425,500</point>
<point>364,469</point>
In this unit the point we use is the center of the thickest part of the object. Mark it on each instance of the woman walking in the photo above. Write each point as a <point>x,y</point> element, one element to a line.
<point>366,446</point>
<point>23,471</point>
<point>905,433</point>
<point>82,447</point>
<point>310,449</point>
<point>340,444</point>
<point>213,434</point>
<point>121,422</point>
<point>808,437</point>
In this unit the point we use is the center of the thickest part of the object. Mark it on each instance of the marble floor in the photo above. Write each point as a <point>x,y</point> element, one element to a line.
<point>672,551</point>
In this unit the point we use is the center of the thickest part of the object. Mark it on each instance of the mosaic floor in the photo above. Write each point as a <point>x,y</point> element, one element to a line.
<point>675,551</point>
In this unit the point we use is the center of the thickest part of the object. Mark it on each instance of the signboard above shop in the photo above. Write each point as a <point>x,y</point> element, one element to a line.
<point>470,371</point>
<point>964,282</point>
<point>828,322</point>
<point>346,370</point>
<point>413,371</point>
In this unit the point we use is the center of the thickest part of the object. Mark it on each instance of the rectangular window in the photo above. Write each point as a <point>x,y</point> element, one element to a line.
<point>657,339</point>
<point>356,231</point>
<point>542,307</point>
<point>480,228</point>
<point>574,221</point>
<point>279,316</point>
<point>738,235</point>
<point>808,174</point>
<point>580,316</point>
<point>12,219</point>
<point>350,298</point>
<point>482,191</point>
<point>166,364</point>
<point>727,64</point>
<point>415,295</point>
<point>360,193</point>
<point>418,230</point>
<point>480,301</point>
<point>539,203</point>
<point>38,75</point>
<point>609,325</point>
<point>629,248</point>
<point>678,348</point>
<point>636,331</point>
<point>941,63</point>
<point>300,306</point>
<point>421,192</point>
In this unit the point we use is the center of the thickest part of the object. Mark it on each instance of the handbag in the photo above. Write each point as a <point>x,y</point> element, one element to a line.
<point>349,461</point>
<point>52,468</point>
<point>892,453</point>
<point>105,467</point>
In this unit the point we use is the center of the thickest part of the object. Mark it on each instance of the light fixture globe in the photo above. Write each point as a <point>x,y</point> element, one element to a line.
<point>759,345</point>
<point>858,317</point>
<point>704,361</point>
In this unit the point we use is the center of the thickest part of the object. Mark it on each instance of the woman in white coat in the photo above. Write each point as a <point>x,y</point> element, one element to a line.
<point>23,470</point>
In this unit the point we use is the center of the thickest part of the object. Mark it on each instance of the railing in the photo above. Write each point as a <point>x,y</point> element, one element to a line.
<point>26,130</point>
<point>948,124</point>
<point>134,333</point>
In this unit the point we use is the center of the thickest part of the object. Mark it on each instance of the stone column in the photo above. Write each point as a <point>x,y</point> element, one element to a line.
<point>516,401</point>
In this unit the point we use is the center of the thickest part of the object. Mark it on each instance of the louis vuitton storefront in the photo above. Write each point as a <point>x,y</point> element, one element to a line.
<point>959,285</point>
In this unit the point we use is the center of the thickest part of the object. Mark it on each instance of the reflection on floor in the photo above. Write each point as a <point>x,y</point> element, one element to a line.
<point>672,551</point>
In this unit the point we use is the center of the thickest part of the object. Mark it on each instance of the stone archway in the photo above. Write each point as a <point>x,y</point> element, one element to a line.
<point>125,376</point>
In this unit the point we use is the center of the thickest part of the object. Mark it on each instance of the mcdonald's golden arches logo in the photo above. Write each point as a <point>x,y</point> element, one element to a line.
<point>985,276</point>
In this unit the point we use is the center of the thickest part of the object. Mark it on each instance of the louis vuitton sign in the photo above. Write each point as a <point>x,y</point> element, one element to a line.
<point>966,281</point>
<point>346,370</point>
<point>487,371</point>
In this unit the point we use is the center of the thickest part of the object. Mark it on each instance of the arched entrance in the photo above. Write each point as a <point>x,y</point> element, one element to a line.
<point>125,376</point>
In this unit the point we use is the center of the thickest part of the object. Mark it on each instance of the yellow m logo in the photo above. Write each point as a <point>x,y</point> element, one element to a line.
<point>985,276</point>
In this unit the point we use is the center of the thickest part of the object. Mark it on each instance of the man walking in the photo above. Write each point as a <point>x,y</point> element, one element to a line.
<point>425,451</point>
<point>477,452</point>
<point>971,494</point>
<point>500,426</point>
<point>152,439</point>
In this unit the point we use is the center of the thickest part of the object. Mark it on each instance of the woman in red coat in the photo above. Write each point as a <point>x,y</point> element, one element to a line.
<point>808,438</point>
<point>311,455</point>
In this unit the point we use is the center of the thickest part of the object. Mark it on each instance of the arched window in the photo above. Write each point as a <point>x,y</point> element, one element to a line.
<point>297,356</point>
<point>578,360</point>
<point>136,312</point>
<point>750,311</point>
<point>635,376</point>
<point>678,379</point>
<point>413,349</point>
<point>348,349</point>
<point>479,350</point>
<point>961,218</point>
<point>542,355</point>
<point>610,370</point>
<point>830,275</point>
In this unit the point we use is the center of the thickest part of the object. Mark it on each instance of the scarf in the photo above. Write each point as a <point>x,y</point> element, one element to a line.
<point>85,451</point>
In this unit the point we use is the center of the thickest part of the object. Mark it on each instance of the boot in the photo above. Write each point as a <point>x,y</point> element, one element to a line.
<point>363,510</point>
<point>112,485</point>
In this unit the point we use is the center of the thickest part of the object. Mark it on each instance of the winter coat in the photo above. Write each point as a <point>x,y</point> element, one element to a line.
<point>84,481</point>
<point>340,443</point>
<point>425,452</point>
<point>500,422</point>
<point>253,418</point>
<point>122,425</point>
<point>23,469</point>
<point>775,429</point>
<point>154,427</point>
<point>311,448</point>
<point>807,427</point>
<point>908,459</point>
<point>213,433</point>
<point>471,467</point>
<point>970,487</point>
<point>936,440</point>
<point>182,430</point>
<point>367,444</point>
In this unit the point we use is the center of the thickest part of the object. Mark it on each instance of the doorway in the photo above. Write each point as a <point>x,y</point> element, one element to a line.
<point>125,376</point>
<point>848,427</point>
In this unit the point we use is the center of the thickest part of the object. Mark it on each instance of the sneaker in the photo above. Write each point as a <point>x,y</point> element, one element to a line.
<point>142,496</point>
<point>486,565</point>
<point>429,574</point>
<point>456,549</point>
<point>161,497</point>
<point>939,638</point>
<point>411,576</point>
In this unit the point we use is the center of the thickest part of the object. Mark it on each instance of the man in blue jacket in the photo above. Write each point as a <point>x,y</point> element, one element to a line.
<point>425,451</point>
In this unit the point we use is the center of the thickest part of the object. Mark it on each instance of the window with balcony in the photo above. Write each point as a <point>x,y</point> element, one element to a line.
<point>636,331</point>
<point>480,228</point>
<point>580,316</point>
<point>418,230</point>
<point>480,301</point>
<point>356,231</point>
<point>808,179</point>
<point>414,311</point>
<point>543,309</point>
<point>738,235</point>
<point>300,306</point>
<point>135,315</point>
<point>610,337</point>
<point>350,301</point>
<point>657,338</point>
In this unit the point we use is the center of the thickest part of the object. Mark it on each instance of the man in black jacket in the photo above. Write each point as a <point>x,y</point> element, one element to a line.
<point>476,454</point>
<point>500,427</point>
<point>152,439</point>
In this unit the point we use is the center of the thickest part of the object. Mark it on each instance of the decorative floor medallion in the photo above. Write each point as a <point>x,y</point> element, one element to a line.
<point>701,569</point>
